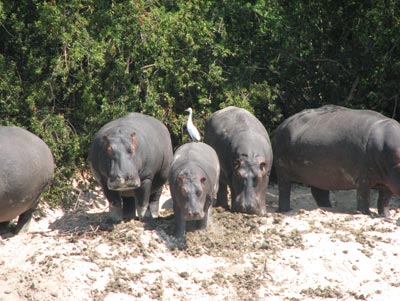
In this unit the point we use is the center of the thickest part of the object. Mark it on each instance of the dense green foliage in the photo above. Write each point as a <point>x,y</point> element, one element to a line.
<point>68,67</point>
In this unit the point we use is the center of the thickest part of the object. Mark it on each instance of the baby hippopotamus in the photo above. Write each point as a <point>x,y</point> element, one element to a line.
<point>193,181</point>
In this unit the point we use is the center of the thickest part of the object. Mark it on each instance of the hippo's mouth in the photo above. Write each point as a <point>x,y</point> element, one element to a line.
<point>123,185</point>
<point>194,217</point>
<point>254,207</point>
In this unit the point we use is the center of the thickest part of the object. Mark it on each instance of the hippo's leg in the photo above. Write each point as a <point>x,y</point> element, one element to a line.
<point>321,197</point>
<point>363,196</point>
<point>180,223</point>
<point>24,220</point>
<point>114,200</point>
<point>4,227</point>
<point>383,201</point>
<point>155,203</point>
<point>203,223</point>
<point>284,194</point>
<point>142,198</point>
<point>128,208</point>
<point>222,196</point>
<point>4,224</point>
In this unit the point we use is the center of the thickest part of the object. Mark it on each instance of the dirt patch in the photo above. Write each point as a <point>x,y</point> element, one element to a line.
<point>308,253</point>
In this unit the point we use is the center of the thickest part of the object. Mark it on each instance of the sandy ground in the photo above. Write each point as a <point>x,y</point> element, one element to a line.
<point>307,254</point>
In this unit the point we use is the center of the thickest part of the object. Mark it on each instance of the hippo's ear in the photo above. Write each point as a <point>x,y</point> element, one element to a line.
<point>133,142</point>
<point>263,167</point>
<point>203,181</point>
<point>107,146</point>
<point>106,142</point>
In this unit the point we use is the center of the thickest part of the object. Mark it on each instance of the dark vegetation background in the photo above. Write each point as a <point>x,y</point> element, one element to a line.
<point>68,67</point>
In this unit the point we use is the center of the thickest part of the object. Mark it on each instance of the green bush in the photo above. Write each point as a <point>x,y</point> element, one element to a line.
<point>69,67</point>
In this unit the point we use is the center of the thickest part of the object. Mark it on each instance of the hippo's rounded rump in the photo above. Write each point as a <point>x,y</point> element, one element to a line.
<point>26,167</point>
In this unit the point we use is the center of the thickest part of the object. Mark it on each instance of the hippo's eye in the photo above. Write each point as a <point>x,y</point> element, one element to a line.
<point>241,173</point>
<point>184,192</point>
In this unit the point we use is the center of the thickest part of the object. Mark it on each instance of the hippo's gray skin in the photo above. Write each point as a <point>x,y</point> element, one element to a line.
<point>193,179</point>
<point>26,169</point>
<point>130,158</point>
<point>245,154</point>
<point>335,148</point>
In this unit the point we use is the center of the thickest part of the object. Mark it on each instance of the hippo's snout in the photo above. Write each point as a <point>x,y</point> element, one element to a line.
<point>123,183</point>
<point>194,215</point>
<point>249,206</point>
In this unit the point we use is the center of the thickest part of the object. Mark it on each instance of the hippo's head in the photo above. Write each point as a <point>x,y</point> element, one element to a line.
<point>121,169</point>
<point>191,187</point>
<point>249,180</point>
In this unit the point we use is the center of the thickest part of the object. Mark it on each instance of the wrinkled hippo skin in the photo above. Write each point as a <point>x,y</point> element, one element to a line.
<point>130,158</point>
<point>245,154</point>
<point>26,169</point>
<point>335,148</point>
<point>193,180</point>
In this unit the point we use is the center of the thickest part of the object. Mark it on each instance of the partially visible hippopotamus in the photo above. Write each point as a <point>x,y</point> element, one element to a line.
<point>193,182</point>
<point>130,158</point>
<point>245,154</point>
<point>335,148</point>
<point>26,169</point>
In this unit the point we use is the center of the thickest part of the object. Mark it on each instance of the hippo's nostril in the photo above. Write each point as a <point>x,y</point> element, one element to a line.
<point>193,213</point>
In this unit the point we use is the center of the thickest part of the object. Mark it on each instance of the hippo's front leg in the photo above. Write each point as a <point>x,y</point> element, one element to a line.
<point>180,222</point>
<point>222,196</point>
<point>363,196</point>
<point>284,186</point>
<point>128,208</point>
<point>142,197</point>
<point>155,202</point>
<point>114,200</point>
<point>203,223</point>
<point>383,202</point>
<point>321,197</point>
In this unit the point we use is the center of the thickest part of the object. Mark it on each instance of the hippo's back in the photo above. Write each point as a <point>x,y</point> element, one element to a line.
<point>232,121</point>
<point>199,154</point>
<point>26,167</point>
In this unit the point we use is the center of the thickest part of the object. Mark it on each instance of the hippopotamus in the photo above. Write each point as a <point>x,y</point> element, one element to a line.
<point>130,158</point>
<point>26,169</point>
<point>336,148</point>
<point>193,181</point>
<point>245,155</point>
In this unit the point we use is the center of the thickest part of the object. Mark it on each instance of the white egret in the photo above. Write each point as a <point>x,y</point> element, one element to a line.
<point>192,130</point>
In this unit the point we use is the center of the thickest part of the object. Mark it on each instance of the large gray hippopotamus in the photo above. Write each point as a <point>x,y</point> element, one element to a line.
<point>26,169</point>
<point>245,155</point>
<point>130,158</point>
<point>193,181</point>
<point>335,148</point>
